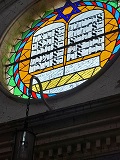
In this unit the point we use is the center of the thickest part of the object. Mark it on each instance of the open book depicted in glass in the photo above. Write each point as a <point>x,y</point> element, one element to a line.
<point>66,47</point>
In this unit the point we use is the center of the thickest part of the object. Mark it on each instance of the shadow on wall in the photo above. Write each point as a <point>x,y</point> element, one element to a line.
<point>4,4</point>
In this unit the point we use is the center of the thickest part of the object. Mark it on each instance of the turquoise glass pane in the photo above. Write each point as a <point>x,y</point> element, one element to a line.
<point>35,22</point>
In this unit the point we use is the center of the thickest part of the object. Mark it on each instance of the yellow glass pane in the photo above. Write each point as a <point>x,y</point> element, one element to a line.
<point>84,10</point>
<point>114,37</point>
<point>104,62</point>
<point>25,63</point>
<point>28,45</point>
<point>26,78</point>
<point>26,68</point>
<point>23,69</point>
<point>53,83</point>
<point>97,69</point>
<point>108,14</point>
<point>22,57</point>
<point>87,73</point>
<point>104,55</point>
<point>50,22</point>
<point>107,20</point>
<point>21,66</point>
<point>114,28</point>
<point>109,27</point>
<point>114,22</point>
<point>75,78</point>
<point>67,10</point>
<point>107,42</point>
<point>24,52</point>
<point>110,47</point>
<point>97,8</point>
<point>44,85</point>
<point>27,54</point>
<point>90,7</point>
<point>64,79</point>
<point>81,8</point>
<point>44,24</point>
<point>23,74</point>
<point>52,19</point>
<point>36,88</point>
<point>110,35</point>
<point>30,39</point>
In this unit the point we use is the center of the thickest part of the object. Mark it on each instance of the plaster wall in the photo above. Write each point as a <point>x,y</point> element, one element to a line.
<point>103,85</point>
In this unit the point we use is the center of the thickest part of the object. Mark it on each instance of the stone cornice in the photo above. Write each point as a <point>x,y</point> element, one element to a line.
<point>81,123</point>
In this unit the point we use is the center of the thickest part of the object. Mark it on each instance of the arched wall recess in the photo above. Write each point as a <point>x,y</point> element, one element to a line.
<point>65,44</point>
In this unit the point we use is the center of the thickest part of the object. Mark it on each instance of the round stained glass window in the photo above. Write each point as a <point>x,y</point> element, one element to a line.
<point>64,48</point>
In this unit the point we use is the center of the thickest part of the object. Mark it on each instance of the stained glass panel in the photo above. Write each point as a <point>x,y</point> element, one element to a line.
<point>65,48</point>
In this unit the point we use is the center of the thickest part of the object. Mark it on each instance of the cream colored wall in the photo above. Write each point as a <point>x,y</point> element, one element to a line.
<point>104,86</point>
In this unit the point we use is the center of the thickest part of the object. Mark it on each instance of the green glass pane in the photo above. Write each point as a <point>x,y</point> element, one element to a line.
<point>12,82</point>
<point>25,33</point>
<point>118,9</point>
<point>95,1</point>
<point>12,58</point>
<point>103,1</point>
<point>114,4</point>
<point>17,46</point>
<point>47,13</point>
<point>17,92</point>
<point>24,96</point>
<point>35,22</point>
<point>88,0</point>
<point>10,71</point>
